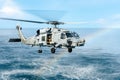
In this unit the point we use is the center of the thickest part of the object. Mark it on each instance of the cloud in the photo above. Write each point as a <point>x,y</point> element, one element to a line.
<point>78,11</point>
<point>112,21</point>
<point>10,9</point>
<point>61,4</point>
<point>116,17</point>
<point>101,21</point>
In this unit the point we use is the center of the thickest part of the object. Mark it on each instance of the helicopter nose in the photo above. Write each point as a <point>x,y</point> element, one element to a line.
<point>81,42</point>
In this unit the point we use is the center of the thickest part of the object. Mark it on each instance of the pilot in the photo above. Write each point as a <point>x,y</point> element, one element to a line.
<point>49,31</point>
<point>38,32</point>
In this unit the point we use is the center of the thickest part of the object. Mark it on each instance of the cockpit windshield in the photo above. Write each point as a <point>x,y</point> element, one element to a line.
<point>75,34</point>
<point>72,34</point>
<point>69,34</point>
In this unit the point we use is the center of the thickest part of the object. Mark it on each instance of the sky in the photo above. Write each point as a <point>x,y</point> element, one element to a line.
<point>86,13</point>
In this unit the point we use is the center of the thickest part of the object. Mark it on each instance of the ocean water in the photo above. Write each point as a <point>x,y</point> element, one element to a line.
<point>99,59</point>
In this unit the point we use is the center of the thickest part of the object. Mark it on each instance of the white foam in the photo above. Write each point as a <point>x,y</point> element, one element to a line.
<point>6,74</point>
<point>79,72</point>
<point>50,67</point>
<point>73,72</point>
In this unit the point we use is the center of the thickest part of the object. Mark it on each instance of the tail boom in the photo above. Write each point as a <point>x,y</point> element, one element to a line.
<point>23,39</point>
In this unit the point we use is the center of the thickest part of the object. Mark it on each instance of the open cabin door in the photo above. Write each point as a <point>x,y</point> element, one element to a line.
<point>49,38</point>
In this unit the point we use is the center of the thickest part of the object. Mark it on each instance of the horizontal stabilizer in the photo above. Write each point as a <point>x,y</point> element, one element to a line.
<point>15,40</point>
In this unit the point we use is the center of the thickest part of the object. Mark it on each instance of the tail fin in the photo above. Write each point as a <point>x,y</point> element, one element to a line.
<point>23,39</point>
<point>27,41</point>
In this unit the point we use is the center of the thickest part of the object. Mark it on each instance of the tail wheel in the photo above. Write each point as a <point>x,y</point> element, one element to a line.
<point>69,50</point>
<point>52,50</point>
<point>39,51</point>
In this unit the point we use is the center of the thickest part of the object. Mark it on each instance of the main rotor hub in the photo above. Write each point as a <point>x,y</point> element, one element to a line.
<point>55,23</point>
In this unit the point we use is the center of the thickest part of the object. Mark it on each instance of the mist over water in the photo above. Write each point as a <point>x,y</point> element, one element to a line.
<point>99,59</point>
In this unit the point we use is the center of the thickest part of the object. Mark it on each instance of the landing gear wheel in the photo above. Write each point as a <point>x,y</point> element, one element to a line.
<point>52,50</point>
<point>69,50</point>
<point>39,51</point>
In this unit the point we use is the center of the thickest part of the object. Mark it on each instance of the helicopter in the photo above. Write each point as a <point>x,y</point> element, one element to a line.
<point>54,37</point>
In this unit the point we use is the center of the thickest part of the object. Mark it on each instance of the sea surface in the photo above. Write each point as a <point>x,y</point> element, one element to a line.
<point>99,59</point>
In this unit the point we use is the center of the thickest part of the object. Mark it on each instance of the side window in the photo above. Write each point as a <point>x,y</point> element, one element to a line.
<point>62,35</point>
<point>43,38</point>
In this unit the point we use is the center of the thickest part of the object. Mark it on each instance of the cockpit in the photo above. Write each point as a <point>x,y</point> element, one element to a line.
<point>69,34</point>
<point>72,34</point>
<point>75,34</point>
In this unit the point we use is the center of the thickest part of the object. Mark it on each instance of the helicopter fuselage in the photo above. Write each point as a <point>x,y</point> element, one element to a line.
<point>53,37</point>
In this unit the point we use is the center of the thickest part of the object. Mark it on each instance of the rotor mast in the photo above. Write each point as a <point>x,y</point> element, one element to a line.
<point>55,23</point>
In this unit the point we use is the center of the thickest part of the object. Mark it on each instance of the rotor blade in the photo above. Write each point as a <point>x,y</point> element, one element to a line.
<point>76,22</point>
<point>48,15</point>
<point>23,20</point>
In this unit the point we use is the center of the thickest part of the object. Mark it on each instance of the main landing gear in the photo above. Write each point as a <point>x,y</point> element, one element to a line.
<point>40,50</point>
<point>69,46</point>
<point>70,50</point>
<point>53,50</point>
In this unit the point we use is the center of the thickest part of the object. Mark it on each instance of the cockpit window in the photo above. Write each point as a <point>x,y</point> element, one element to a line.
<point>72,34</point>
<point>75,34</point>
<point>63,35</point>
<point>69,35</point>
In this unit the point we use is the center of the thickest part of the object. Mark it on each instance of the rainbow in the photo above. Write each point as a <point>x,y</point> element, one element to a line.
<point>48,63</point>
<point>96,34</point>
